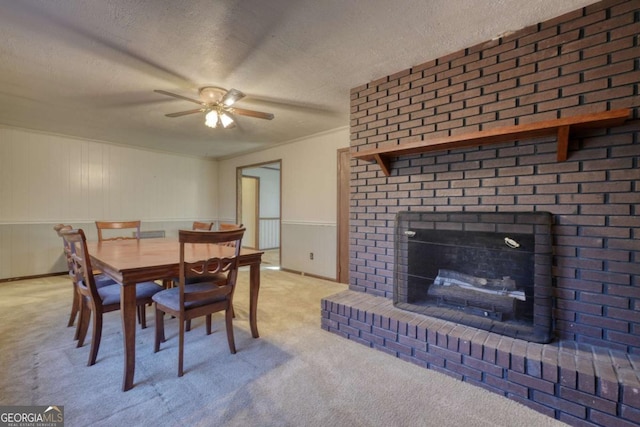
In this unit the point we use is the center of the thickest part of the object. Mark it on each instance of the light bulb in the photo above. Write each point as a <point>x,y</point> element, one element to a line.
<point>226,120</point>
<point>211,119</point>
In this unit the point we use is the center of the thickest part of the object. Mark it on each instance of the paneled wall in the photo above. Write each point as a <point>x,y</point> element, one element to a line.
<point>49,179</point>
<point>304,238</point>
<point>269,233</point>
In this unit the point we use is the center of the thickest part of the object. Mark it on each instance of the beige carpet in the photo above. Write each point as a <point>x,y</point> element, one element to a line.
<point>295,374</point>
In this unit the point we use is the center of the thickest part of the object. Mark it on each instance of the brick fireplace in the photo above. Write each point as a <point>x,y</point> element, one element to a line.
<point>582,62</point>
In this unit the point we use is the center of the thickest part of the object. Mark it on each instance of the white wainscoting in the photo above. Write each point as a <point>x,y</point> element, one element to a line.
<point>269,233</point>
<point>299,239</point>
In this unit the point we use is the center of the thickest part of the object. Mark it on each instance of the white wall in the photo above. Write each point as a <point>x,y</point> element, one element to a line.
<point>269,190</point>
<point>309,198</point>
<point>48,179</point>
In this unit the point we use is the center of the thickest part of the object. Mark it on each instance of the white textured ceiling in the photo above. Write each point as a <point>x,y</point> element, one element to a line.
<point>88,68</point>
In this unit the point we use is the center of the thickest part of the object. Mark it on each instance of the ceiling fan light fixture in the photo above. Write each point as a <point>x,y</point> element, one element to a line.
<point>226,120</point>
<point>211,119</point>
<point>215,119</point>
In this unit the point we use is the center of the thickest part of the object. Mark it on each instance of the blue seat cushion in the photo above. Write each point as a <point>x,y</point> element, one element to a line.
<point>103,280</point>
<point>111,294</point>
<point>171,297</point>
<point>195,279</point>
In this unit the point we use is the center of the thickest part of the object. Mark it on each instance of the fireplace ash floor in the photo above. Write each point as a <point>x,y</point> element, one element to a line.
<point>570,381</point>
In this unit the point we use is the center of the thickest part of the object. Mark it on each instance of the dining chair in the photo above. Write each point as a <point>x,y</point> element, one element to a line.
<point>186,302</point>
<point>221,227</point>
<point>117,225</point>
<point>94,300</point>
<point>205,226</point>
<point>100,279</point>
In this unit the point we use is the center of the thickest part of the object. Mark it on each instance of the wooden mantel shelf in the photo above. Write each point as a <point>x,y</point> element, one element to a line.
<point>559,127</point>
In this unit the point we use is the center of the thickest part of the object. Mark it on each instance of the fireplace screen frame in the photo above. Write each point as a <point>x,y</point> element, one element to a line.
<point>533,227</point>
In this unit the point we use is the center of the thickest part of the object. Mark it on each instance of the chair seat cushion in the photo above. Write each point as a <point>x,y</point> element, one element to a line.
<point>171,297</point>
<point>103,280</point>
<point>220,277</point>
<point>111,294</point>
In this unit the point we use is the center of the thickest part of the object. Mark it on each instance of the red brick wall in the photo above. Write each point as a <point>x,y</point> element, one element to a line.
<point>584,61</point>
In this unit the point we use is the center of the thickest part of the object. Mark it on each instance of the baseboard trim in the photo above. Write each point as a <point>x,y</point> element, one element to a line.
<point>302,273</point>
<point>37,276</point>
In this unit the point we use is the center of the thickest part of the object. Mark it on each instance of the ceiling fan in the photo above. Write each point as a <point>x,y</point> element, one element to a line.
<point>217,104</point>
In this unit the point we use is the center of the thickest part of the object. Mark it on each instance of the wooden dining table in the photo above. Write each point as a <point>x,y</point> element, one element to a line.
<point>134,261</point>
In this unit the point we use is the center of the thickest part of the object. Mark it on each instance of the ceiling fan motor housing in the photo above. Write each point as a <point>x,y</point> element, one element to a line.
<point>211,94</point>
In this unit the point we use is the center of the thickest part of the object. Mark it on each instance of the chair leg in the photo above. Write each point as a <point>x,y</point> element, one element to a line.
<point>96,338</point>
<point>142,316</point>
<point>83,322</point>
<point>208,322</point>
<point>229,321</point>
<point>188,325</point>
<point>159,330</point>
<point>79,324</point>
<point>77,333</point>
<point>75,306</point>
<point>181,348</point>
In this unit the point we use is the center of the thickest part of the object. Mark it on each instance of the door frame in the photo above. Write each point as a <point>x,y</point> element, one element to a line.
<point>343,214</point>
<point>239,170</point>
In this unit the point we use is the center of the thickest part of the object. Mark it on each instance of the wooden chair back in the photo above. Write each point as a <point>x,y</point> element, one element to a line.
<point>216,266</point>
<point>205,226</point>
<point>80,264</point>
<point>118,225</point>
<point>228,227</point>
<point>224,226</point>
<point>75,305</point>
<point>60,228</point>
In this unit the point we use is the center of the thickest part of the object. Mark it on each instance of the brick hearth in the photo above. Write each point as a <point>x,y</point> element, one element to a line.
<point>583,62</point>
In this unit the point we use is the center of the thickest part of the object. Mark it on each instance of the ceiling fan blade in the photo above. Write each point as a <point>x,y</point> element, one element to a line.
<point>175,95</point>
<point>231,97</point>
<point>184,113</point>
<point>251,113</point>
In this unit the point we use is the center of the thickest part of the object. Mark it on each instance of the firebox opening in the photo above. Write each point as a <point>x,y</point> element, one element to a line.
<point>487,271</point>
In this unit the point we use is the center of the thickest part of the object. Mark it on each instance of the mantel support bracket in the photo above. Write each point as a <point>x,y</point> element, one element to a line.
<point>563,143</point>
<point>384,162</point>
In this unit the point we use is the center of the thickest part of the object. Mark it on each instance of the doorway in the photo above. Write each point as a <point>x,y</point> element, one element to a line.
<point>258,207</point>
<point>250,211</point>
